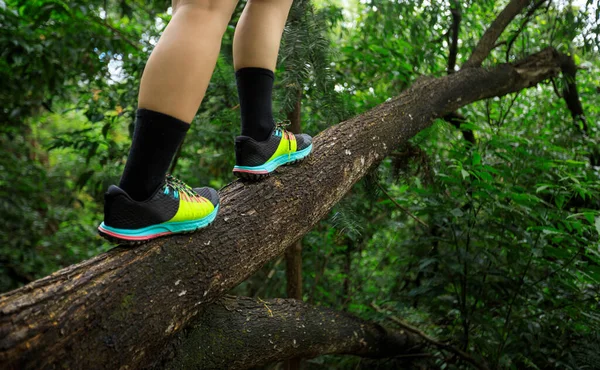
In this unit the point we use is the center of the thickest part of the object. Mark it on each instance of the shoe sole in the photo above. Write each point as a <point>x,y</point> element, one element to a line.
<point>255,173</point>
<point>145,234</point>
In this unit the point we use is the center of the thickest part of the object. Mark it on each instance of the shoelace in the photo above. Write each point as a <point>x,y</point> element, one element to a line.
<point>179,187</point>
<point>280,126</point>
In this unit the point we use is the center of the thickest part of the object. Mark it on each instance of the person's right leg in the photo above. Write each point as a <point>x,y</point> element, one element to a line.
<point>261,148</point>
<point>179,69</point>
<point>147,204</point>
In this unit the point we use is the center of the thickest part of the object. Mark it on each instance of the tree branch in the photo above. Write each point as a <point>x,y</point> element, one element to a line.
<point>455,118</point>
<point>404,209</point>
<point>454,30</point>
<point>275,330</point>
<point>528,17</point>
<point>463,355</point>
<point>570,94</point>
<point>293,255</point>
<point>124,306</point>
<point>491,35</point>
<point>116,32</point>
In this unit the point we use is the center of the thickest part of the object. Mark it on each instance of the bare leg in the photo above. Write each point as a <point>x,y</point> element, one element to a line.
<point>255,48</point>
<point>179,69</point>
<point>148,204</point>
<point>172,87</point>
<point>258,33</point>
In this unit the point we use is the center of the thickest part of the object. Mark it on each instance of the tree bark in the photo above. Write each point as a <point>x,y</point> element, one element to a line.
<point>293,265</point>
<point>122,308</point>
<point>293,255</point>
<point>240,333</point>
<point>454,30</point>
<point>570,94</point>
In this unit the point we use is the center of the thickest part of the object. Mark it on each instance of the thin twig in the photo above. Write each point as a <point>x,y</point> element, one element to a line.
<point>412,355</point>
<point>269,276</point>
<point>360,285</point>
<point>441,38</point>
<point>427,338</point>
<point>402,208</point>
<point>320,273</point>
<point>555,271</point>
<point>528,17</point>
<point>498,44</point>
<point>505,114</point>
<point>510,308</point>
<point>117,31</point>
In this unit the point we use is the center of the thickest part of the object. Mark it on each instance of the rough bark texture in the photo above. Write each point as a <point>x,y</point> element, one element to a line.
<point>124,306</point>
<point>240,333</point>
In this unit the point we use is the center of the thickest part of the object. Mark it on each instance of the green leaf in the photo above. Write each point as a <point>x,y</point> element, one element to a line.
<point>105,129</point>
<point>589,216</point>
<point>457,212</point>
<point>543,187</point>
<point>83,179</point>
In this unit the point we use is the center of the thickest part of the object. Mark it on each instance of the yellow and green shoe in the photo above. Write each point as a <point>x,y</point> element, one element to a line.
<point>257,159</point>
<point>174,208</point>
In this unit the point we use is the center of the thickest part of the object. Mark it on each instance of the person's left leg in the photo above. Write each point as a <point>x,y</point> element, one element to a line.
<point>261,148</point>
<point>147,203</point>
<point>172,87</point>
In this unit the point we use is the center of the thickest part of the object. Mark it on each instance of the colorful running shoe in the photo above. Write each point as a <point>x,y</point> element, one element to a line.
<point>257,159</point>
<point>174,208</point>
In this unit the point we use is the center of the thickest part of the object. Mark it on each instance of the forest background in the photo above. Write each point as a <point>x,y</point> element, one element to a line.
<point>485,237</point>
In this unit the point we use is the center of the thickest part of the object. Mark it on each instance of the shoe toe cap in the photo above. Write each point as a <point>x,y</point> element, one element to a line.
<point>208,193</point>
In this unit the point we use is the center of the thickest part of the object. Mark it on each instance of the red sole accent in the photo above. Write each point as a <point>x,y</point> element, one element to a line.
<point>123,237</point>
<point>261,172</point>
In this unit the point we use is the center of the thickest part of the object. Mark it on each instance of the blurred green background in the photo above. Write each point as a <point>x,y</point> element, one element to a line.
<point>508,266</point>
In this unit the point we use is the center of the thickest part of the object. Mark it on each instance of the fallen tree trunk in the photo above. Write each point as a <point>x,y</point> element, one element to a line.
<point>241,332</point>
<point>124,306</point>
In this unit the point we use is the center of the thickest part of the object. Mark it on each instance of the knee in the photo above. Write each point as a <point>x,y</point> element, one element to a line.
<point>220,6</point>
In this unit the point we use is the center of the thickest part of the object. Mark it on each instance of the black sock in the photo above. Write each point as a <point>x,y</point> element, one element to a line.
<point>255,87</point>
<point>155,141</point>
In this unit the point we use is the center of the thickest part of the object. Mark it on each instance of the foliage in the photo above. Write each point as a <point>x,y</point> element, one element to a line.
<point>504,262</point>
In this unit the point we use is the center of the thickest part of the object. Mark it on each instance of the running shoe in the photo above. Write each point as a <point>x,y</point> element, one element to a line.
<point>257,159</point>
<point>174,208</point>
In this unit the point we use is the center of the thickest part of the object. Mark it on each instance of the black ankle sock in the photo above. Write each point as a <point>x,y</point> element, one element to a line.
<point>155,141</point>
<point>255,87</point>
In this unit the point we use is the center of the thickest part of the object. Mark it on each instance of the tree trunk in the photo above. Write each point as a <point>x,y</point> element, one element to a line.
<point>123,308</point>
<point>240,333</point>
<point>293,261</point>
<point>293,255</point>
